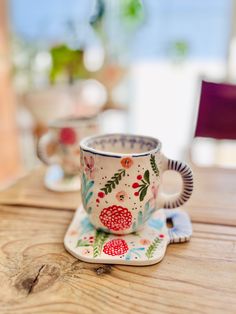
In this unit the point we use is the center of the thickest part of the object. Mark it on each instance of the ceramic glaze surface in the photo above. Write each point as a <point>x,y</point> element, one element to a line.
<point>144,247</point>
<point>120,178</point>
<point>61,144</point>
<point>119,193</point>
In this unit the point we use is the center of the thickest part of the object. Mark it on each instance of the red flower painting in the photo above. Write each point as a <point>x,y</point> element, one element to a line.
<point>116,218</point>
<point>115,247</point>
<point>67,136</point>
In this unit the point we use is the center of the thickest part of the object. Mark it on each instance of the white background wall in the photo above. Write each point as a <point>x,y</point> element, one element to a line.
<point>164,100</point>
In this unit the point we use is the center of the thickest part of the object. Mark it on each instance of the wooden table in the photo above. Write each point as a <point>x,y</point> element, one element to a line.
<point>37,275</point>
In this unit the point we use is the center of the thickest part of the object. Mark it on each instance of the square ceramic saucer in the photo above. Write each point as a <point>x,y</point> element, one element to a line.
<point>55,180</point>
<point>144,247</point>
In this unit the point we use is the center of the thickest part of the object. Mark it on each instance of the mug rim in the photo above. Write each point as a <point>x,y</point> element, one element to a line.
<point>84,145</point>
<point>72,121</point>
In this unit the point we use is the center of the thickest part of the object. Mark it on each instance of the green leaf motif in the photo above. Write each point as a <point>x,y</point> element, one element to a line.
<point>134,226</point>
<point>89,185</point>
<point>154,165</point>
<point>85,225</point>
<point>89,210</point>
<point>114,181</point>
<point>148,210</point>
<point>144,187</point>
<point>88,197</point>
<point>86,192</point>
<point>152,247</point>
<point>146,176</point>
<point>140,218</point>
<point>143,193</point>
<point>82,243</point>
<point>100,239</point>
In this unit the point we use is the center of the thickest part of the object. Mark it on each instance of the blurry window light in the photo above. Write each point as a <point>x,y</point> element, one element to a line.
<point>20,59</point>
<point>232,61</point>
<point>94,58</point>
<point>94,93</point>
<point>207,152</point>
<point>42,61</point>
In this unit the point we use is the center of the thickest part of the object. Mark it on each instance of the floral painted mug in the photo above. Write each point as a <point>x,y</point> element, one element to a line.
<point>60,145</point>
<point>121,177</point>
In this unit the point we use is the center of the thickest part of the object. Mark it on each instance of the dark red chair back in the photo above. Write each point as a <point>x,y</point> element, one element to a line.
<point>217,111</point>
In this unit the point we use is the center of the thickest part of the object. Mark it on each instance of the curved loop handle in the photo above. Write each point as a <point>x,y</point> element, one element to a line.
<point>42,147</point>
<point>173,201</point>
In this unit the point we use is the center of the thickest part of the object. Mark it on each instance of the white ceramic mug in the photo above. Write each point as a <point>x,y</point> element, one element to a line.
<point>60,145</point>
<point>121,176</point>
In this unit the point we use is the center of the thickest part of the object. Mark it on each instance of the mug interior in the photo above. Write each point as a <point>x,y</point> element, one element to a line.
<point>121,144</point>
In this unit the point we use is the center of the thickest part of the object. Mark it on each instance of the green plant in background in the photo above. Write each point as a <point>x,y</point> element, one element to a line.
<point>129,14</point>
<point>67,63</point>
<point>24,54</point>
<point>179,50</point>
<point>132,12</point>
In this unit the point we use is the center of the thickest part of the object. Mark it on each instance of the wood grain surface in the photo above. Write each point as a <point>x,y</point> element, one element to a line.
<point>37,275</point>
<point>40,277</point>
<point>30,191</point>
<point>214,194</point>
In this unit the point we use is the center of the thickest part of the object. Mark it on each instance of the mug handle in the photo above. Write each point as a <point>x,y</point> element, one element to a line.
<point>42,146</point>
<point>176,200</point>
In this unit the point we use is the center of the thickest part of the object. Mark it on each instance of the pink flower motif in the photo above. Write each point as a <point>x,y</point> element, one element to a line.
<point>67,136</point>
<point>73,233</point>
<point>154,191</point>
<point>86,251</point>
<point>89,166</point>
<point>154,197</point>
<point>115,247</point>
<point>121,196</point>
<point>145,241</point>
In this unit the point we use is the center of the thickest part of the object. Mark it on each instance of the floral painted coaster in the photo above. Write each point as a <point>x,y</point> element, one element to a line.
<point>145,247</point>
<point>56,181</point>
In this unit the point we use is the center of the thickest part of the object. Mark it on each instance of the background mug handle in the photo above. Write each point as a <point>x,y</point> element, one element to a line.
<point>176,200</point>
<point>42,149</point>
